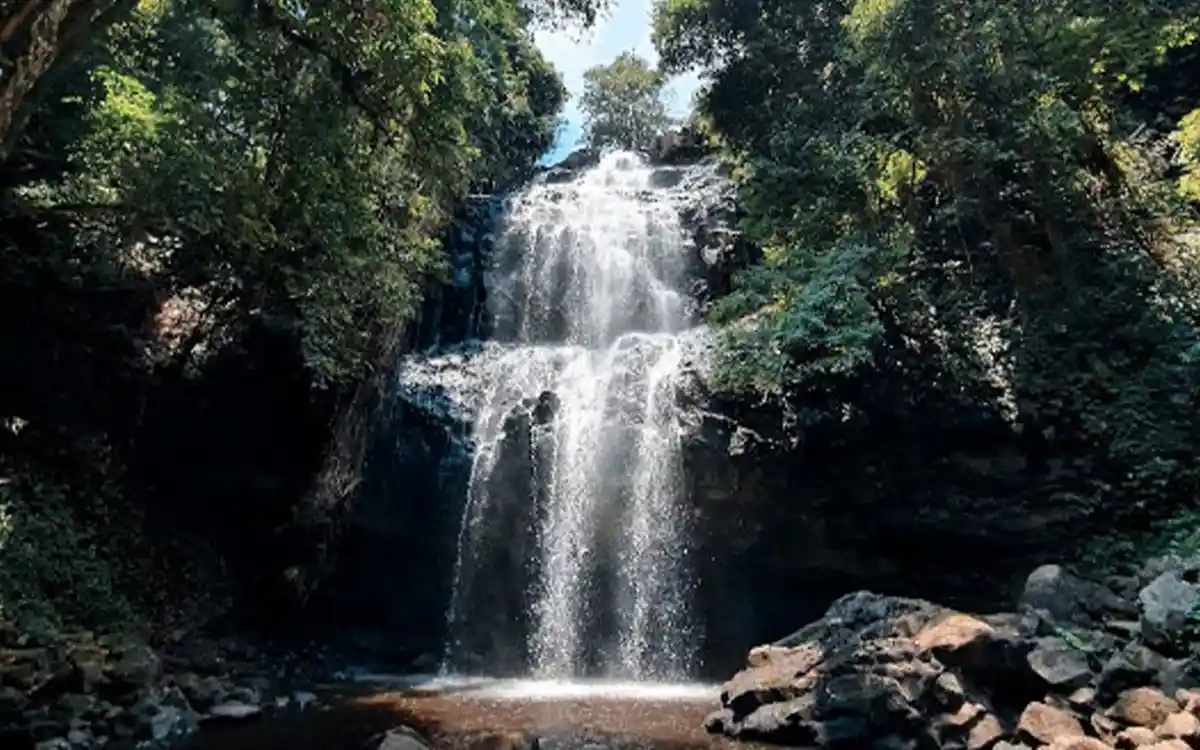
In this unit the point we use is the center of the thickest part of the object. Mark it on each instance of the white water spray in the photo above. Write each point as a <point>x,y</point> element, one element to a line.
<point>585,294</point>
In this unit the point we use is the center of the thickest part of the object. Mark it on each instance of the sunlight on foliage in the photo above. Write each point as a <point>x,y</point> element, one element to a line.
<point>1033,273</point>
<point>1189,155</point>
<point>299,168</point>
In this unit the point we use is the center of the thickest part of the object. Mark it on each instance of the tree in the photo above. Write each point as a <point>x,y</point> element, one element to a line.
<point>623,104</point>
<point>959,211</point>
<point>282,166</point>
<point>38,37</point>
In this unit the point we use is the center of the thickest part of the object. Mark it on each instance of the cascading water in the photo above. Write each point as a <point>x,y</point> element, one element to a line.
<point>589,334</point>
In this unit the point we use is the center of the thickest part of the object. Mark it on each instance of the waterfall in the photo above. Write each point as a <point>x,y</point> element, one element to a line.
<point>575,531</point>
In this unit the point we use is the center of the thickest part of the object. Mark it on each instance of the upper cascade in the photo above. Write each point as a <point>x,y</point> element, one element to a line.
<point>585,261</point>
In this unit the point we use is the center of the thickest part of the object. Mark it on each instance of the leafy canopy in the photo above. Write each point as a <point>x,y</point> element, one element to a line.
<point>962,210</point>
<point>259,163</point>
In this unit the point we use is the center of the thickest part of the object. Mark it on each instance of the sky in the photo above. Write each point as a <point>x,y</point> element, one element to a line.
<point>627,27</point>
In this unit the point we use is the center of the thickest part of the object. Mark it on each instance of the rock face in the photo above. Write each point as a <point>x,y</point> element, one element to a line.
<point>1072,668</point>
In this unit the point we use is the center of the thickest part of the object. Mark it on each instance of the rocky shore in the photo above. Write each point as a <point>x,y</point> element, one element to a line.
<point>84,690</point>
<point>1080,665</point>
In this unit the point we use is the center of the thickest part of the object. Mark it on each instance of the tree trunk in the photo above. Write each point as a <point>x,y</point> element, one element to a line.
<point>36,38</point>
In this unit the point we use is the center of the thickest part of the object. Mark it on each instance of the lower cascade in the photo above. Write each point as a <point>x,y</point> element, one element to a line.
<point>575,536</point>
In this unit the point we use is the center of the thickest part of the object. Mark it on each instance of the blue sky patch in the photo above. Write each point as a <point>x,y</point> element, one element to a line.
<point>627,27</point>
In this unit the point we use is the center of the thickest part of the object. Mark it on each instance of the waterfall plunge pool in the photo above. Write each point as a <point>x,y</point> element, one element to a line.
<point>479,713</point>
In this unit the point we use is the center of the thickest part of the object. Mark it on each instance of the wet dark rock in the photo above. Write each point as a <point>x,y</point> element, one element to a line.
<point>1132,666</point>
<point>1062,666</point>
<point>1067,598</point>
<point>882,666</point>
<point>1167,604</point>
<point>136,665</point>
<point>402,738</point>
<point>1048,677</point>
<point>12,701</point>
<point>200,692</point>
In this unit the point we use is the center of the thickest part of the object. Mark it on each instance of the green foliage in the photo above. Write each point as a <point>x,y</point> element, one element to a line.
<point>1189,154</point>
<point>962,215</point>
<point>78,554</point>
<point>816,319</point>
<point>623,104</point>
<point>298,169</point>
<point>53,568</point>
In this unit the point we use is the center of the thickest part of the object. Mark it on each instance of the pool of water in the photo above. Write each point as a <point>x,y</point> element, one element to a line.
<point>456,712</point>
<point>490,688</point>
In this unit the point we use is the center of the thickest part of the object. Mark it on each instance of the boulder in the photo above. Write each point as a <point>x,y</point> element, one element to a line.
<point>880,671</point>
<point>12,702</point>
<point>1133,666</point>
<point>1180,725</point>
<point>1042,724</point>
<point>1134,737</point>
<point>136,666</point>
<point>88,661</point>
<point>1143,707</point>
<point>984,733</point>
<point>1167,604</point>
<point>875,669</point>
<point>1062,666</point>
<point>1067,598</point>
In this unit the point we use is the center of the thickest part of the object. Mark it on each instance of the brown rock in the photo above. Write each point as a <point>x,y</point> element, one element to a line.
<point>1134,737</point>
<point>1078,743</point>
<point>984,733</point>
<point>1104,726</point>
<point>965,714</point>
<point>775,680</point>
<point>1143,707</point>
<point>1168,745</point>
<point>952,633</point>
<point>948,691</point>
<point>762,655</point>
<point>1084,697</point>
<point>1189,699</point>
<point>26,669</point>
<point>1179,725</point>
<point>1043,724</point>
